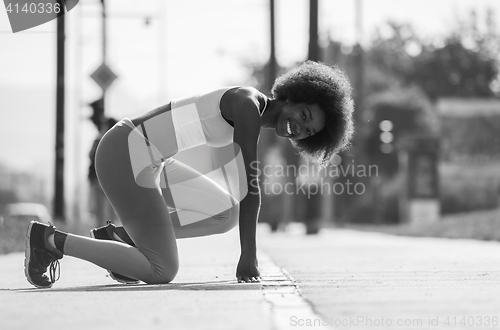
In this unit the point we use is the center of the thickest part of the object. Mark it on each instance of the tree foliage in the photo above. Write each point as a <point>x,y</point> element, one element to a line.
<point>464,63</point>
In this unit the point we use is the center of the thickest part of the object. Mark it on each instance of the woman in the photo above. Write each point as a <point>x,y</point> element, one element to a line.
<point>159,198</point>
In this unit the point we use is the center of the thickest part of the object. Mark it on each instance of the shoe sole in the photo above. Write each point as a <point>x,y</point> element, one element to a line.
<point>27,255</point>
<point>111,273</point>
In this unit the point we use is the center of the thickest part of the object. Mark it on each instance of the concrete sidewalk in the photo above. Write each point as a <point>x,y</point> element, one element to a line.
<point>361,280</point>
<point>353,280</point>
<point>204,295</point>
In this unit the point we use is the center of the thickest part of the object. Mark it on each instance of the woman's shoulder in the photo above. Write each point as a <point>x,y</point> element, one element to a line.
<point>242,104</point>
<point>245,95</point>
<point>245,92</point>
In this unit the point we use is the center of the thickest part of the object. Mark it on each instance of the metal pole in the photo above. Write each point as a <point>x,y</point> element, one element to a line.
<point>272,58</point>
<point>59,150</point>
<point>79,199</point>
<point>359,62</point>
<point>313,31</point>
<point>163,51</point>
<point>104,55</point>
<point>359,21</point>
<point>103,31</point>
<point>312,204</point>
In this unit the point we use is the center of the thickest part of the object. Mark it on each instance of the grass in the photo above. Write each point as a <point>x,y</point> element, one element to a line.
<point>12,237</point>
<point>465,188</point>
<point>480,225</point>
<point>13,234</point>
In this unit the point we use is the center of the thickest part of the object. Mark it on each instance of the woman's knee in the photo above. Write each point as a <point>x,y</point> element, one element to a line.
<point>162,274</point>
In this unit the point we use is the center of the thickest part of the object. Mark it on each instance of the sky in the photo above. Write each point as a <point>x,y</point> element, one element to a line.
<point>189,46</point>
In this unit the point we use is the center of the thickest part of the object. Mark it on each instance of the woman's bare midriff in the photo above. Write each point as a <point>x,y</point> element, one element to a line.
<point>139,119</point>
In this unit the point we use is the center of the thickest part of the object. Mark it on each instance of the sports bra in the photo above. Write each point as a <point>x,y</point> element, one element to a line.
<point>195,120</point>
<point>192,121</point>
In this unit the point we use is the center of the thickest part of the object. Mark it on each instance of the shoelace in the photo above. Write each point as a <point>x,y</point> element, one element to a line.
<point>54,268</point>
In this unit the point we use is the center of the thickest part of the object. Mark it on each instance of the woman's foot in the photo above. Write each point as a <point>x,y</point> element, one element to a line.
<point>109,233</point>
<point>40,255</point>
<point>112,233</point>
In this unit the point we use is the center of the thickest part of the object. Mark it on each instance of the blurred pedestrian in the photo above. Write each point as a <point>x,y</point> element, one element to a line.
<point>160,199</point>
<point>100,207</point>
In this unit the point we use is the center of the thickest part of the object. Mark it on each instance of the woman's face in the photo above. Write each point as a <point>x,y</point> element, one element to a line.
<point>300,120</point>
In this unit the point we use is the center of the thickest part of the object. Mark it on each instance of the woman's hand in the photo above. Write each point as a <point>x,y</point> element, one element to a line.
<point>247,270</point>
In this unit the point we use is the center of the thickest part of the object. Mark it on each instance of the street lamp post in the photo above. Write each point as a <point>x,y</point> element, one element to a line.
<point>59,148</point>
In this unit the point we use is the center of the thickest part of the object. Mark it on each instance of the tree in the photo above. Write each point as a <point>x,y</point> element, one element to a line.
<point>463,64</point>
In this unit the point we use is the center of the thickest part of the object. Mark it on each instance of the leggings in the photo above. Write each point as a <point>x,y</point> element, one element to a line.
<point>149,216</point>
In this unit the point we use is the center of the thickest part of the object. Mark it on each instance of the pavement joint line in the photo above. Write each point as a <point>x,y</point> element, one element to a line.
<point>282,294</point>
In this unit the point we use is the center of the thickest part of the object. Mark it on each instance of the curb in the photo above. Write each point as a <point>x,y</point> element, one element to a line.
<point>288,308</point>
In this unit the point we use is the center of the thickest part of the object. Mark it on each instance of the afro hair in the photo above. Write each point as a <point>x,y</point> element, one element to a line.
<point>329,88</point>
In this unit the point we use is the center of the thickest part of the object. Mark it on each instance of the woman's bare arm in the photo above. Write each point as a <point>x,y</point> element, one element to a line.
<point>246,134</point>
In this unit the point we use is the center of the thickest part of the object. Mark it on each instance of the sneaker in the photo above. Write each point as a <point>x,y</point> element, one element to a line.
<point>112,233</point>
<point>107,233</point>
<point>39,256</point>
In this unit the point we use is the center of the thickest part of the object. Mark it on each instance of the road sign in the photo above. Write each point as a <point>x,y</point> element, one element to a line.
<point>103,76</point>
